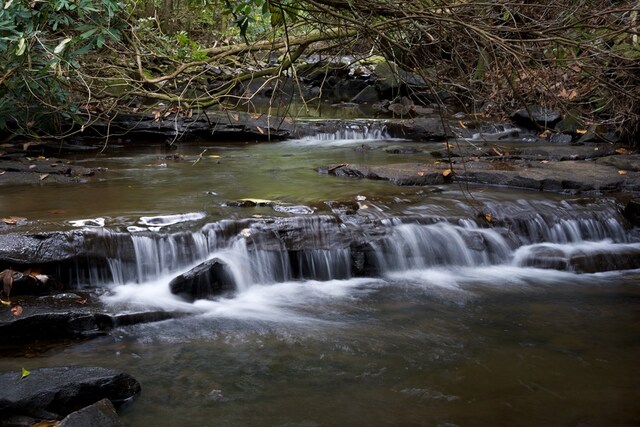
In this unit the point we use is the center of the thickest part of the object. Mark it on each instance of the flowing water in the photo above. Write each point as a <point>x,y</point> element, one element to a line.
<point>459,323</point>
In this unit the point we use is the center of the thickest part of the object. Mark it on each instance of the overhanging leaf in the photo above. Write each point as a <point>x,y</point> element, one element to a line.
<point>61,45</point>
<point>22,46</point>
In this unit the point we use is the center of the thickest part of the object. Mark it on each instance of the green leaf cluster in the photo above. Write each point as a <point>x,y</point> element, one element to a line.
<point>40,43</point>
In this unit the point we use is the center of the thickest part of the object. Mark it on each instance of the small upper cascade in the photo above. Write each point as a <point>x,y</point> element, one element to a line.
<point>350,131</point>
<point>568,221</point>
<point>575,230</point>
<point>414,246</point>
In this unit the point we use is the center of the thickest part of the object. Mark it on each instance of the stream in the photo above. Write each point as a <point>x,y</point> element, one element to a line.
<point>461,324</point>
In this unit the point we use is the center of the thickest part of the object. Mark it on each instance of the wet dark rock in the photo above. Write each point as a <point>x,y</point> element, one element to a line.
<point>53,393</point>
<point>399,109</point>
<point>368,95</point>
<point>343,207</point>
<point>560,138</point>
<point>632,211</point>
<point>346,90</point>
<point>402,149</point>
<point>40,170</point>
<point>399,174</point>
<point>627,258</point>
<point>250,203</point>
<point>545,257</point>
<point>625,162</point>
<point>567,176</point>
<point>203,125</point>
<point>598,134</point>
<point>570,124</point>
<point>583,261</point>
<point>391,80</point>
<point>63,254</point>
<point>419,128</point>
<point>293,234</point>
<point>50,319</point>
<point>362,148</point>
<point>554,176</point>
<point>535,117</point>
<point>100,414</point>
<point>210,279</point>
<point>26,283</point>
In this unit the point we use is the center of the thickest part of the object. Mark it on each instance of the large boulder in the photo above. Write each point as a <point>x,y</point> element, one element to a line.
<point>100,414</point>
<point>209,279</point>
<point>53,393</point>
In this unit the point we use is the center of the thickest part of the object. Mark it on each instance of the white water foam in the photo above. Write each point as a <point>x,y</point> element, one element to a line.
<point>291,301</point>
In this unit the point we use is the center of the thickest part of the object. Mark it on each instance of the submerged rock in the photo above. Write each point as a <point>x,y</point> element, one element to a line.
<point>209,279</point>
<point>399,174</point>
<point>52,393</point>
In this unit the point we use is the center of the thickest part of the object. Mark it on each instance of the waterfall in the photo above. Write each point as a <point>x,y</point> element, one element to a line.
<point>326,247</point>
<point>351,131</point>
<point>414,246</point>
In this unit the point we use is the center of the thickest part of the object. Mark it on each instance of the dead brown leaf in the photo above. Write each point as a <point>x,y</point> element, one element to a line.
<point>44,176</point>
<point>13,220</point>
<point>622,172</point>
<point>16,310</point>
<point>46,423</point>
<point>7,281</point>
<point>446,172</point>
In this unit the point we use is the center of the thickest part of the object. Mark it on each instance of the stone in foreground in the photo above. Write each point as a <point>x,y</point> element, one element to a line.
<point>53,393</point>
<point>100,414</point>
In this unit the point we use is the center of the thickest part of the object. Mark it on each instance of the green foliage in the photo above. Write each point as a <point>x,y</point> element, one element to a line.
<point>40,42</point>
<point>258,16</point>
<point>189,49</point>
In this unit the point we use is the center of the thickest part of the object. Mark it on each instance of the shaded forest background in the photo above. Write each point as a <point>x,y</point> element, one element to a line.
<point>68,63</point>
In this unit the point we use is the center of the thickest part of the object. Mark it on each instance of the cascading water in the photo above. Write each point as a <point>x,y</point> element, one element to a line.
<point>352,132</point>
<point>324,248</point>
